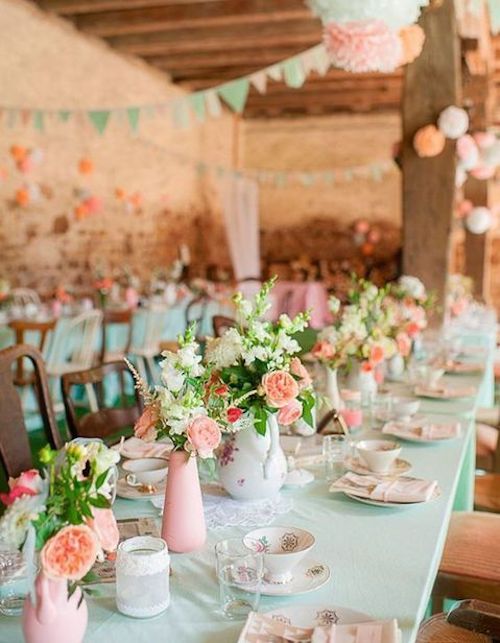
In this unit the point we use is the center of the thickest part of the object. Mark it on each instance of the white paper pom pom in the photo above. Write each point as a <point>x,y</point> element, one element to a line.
<point>395,13</point>
<point>491,155</point>
<point>34,191</point>
<point>460,175</point>
<point>479,220</point>
<point>37,155</point>
<point>453,122</point>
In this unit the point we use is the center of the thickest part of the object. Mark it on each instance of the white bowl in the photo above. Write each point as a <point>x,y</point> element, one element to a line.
<point>148,471</point>
<point>405,407</point>
<point>378,455</point>
<point>283,549</point>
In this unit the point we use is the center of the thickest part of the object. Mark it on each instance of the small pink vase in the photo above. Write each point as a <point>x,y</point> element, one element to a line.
<point>131,298</point>
<point>183,525</point>
<point>55,618</point>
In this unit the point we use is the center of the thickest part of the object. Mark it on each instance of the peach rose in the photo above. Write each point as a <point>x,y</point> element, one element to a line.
<point>280,388</point>
<point>103,524</point>
<point>404,344</point>
<point>204,434</point>
<point>27,484</point>
<point>299,370</point>
<point>376,354</point>
<point>323,350</point>
<point>290,413</point>
<point>70,553</point>
<point>145,427</point>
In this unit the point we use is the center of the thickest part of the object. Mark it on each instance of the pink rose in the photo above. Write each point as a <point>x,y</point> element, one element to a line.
<point>323,350</point>
<point>145,427</point>
<point>299,370</point>
<point>103,524</point>
<point>404,344</point>
<point>204,434</point>
<point>290,413</point>
<point>280,388</point>
<point>29,483</point>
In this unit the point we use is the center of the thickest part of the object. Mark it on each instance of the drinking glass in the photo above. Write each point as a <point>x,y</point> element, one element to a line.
<point>334,452</point>
<point>239,572</point>
<point>142,577</point>
<point>13,582</point>
<point>382,407</point>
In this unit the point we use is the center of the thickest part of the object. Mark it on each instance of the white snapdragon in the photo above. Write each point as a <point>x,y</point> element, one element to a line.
<point>188,359</point>
<point>253,353</point>
<point>171,376</point>
<point>287,344</point>
<point>334,304</point>
<point>226,350</point>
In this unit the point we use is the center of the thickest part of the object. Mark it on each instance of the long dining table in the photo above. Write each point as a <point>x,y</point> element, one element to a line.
<point>383,560</point>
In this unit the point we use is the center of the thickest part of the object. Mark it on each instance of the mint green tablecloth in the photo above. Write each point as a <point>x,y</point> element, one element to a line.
<point>383,561</point>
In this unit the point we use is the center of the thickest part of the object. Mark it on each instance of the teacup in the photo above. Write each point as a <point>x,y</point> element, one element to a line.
<point>378,455</point>
<point>283,549</point>
<point>145,471</point>
<point>434,374</point>
<point>405,407</point>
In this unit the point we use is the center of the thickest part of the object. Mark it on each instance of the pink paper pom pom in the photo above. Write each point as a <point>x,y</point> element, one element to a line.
<point>464,208</point>
<point>484,139</point>
<point>466,147</point>
<point>361,226</point>
<point>483,172</point>
<point>412,41</point>
<point>363,45</point>
<point>93,204</point>
<point>429,141</point>
<point>453,122</point>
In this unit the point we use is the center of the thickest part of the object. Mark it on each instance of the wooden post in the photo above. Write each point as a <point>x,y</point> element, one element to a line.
<point>432,83</point>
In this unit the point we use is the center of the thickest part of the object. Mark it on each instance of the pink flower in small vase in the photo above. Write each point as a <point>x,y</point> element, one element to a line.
<point>290,413</point>
<point>29,483</point>
<point>376,354</point>
<point>280,388</point>
<point>145,427</point>
<point>299,370</point>
<point>204,435</point>
<point>70,553</point>
<point>366,367</point>
<point>323,350</point>
<point>404,344</point>
<point>103,524</point>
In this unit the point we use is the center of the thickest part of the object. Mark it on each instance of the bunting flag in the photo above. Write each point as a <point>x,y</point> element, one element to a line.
<point>200,104</point>
<point>495,15</point>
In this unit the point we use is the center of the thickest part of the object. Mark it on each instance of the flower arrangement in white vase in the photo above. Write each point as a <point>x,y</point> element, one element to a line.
<point>258,383</point>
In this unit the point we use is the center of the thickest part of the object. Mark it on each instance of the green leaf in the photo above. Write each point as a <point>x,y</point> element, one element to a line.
<point>101,479</point>
<point>260,421</point>
<point>100,501</point>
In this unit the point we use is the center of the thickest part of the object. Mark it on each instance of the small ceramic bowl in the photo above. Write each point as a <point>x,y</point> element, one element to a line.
<point>283,549</point>
<point>147,471</point>
<point>405,407</point>
<point>378,455</point>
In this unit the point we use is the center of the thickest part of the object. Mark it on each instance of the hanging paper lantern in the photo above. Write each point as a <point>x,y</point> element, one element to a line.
<point>483,172</point>
<point>85,166</point>
<point>22,197</point>
<point>93,204</point>
<point>37,155</point>
<point>484,139</point>
<point>429,141</point>
<point>395,13</point>
<point>34,191</point>
<point>453,122</point>
<point>464,208</point>
<point>467,148</point>
<point>412,41</point>
<point>491,155</point>
<point>460,176</point>
<point>363,46</point>
<point>18,153</point>
<point>479,220</point>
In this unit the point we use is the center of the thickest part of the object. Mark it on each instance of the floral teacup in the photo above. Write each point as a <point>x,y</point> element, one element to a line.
<point>145,471</point>
<point>283,549</point>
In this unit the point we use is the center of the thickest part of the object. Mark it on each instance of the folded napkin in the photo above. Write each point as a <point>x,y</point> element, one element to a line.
<point>260,628</point>
<point>444,392</point>
<point>454,366</point>
<point>427,431</point>
<point>372,632</point>
<point>134,448</point>
<point>403,489</point>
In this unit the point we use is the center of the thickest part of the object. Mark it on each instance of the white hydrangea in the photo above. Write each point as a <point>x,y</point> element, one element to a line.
<point>17,518</point>
<point>226,350</point>
<point>188,359</point>
<point>413,286</point>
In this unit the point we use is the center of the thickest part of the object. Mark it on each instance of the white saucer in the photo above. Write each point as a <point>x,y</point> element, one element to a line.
<point>450,393</point>
<point>413,437</point>
<point>381,503</point>
<point>298,478</point>
<point>124,490</point>
<point>398,468</point>
<point>308,576</point>
<point>311,616</point>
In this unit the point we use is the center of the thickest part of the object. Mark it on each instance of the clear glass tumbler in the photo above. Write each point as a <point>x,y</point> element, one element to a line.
<point>142,577</point>
<point>13,582</point>
<point>239,572</point>
<point>334,453</point>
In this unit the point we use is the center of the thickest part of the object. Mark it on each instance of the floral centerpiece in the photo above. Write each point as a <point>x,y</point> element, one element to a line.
<point>4,293</point>
<point>65,515</point>
<point>459,294</point>
<point>103,285</point>
<point>257,382</point>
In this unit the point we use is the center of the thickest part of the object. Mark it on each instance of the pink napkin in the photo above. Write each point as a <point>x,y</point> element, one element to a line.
<point>403,489</point>
<point>426,431</point>
<point>372,632</point>
<point>260,628</point>
<point>134,448</point>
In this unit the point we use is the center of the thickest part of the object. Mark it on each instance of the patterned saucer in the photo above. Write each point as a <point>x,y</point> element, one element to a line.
<point>124,490</point>
<point>398,468</point>
<point>308,576</point>
<point>317,615</point>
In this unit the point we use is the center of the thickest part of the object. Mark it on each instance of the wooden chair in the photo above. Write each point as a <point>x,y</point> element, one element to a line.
<point>119,317</point>
<point>20,328</point>
<point>105,422</point>
<point>23,296</point>
<point>487,447</point>
<point>487,493</point>
<point>221,324</point>
<point>15,454</point>
<point>470,566</point>
<point>469,621</point>
<point>143,353</point>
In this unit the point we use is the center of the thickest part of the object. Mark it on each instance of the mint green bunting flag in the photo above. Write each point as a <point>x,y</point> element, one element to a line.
<point>235,93</point>
<point>99,119</point>
<point>180,114</point>
<point>197,101</point>
<point>495,15</point>
<point>133,118</point>
<point>64,115</point>
<point>38,121</point>
<point>294,73</point>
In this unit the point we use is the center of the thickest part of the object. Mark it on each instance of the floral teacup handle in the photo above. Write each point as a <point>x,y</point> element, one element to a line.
<point>132,480</point>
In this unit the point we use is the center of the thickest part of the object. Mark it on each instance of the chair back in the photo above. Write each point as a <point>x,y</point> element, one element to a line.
<point>15,454</point>
<point>196,311</point>
<point>75,343</point>
<point>119,317</point>
<point>154,324</point>
<point>24,296</point>
<point>20,328</point>
<point>105,422</point>
<point>222,324</point>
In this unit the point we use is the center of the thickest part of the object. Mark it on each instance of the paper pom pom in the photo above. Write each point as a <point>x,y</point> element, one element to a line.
<point>136,199</point>
<point>479,220</point>
<point>395,13</point>
<point>412,41</point>
<point>491,155</point>
<point>484,139</point>
<point>367,249</point>
<point>25,165</point>
<point>453,122</point>
<point>363,46</point>
<point>464,208</point>
<point>18,153</point>
<point>37,155</point>
<point>120,194</point>
<point>34,191</point>
<point>81,211</point>
<point>460,176</point>
<point>374,235</point>
<point>483,172</point>
<point>467,147</point>
<point>93,204</point>
<point>22,197</point>
<point>429,141</point>
<point>362,226</point>
<point>85,166</point>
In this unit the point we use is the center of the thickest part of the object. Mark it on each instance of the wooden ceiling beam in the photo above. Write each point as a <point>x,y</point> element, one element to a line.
<point>72,7</point>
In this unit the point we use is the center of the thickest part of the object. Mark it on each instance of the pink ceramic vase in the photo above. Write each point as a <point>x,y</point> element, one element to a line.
<point>55,618</point>
<point>183,525</point>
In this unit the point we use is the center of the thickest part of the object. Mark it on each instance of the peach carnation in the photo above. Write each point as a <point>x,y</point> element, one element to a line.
<point>376,354</point>
<point>280,388</point>
<point>145,427</point>
<point>204,435</point>
<point>70,553</point>
<point>429,141</point>
<point>290,413</point>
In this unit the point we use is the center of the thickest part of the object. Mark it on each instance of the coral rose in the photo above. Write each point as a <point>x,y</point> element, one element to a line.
<point>429,141</point>
<point>290,413</point>
<point>412,329</point>
<point>323,350</point>
<point>234,414</point>
<point>27,484</point>
<point>280,388</point>
<point>145,427</point>
<point>377,354</point>
<point>404,344</point>
<point>299,370</point>
<point>103,524</point>
<point>70,553</point>
<point>204,434</point>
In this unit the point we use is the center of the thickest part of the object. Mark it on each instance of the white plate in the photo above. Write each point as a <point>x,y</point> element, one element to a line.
<point>308,576</point>
<point>311,616</point>
<point>381,503</point>
<point>408,437</point>
<point>450,394</point>
<point>399,467</point>
<point>124,490</point>
<point>418,417</point>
